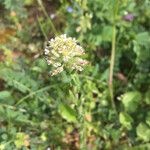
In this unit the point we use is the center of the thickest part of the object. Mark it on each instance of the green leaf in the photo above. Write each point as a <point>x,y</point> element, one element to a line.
<point>67,112</point>
<point>2,111</point>
<point>15,5</point>
<point>21,140</point>
<point>12,115</point>
<point>107,33</point>
<point>147,98</point>
<point>143,38</point>
<point>143,132</point>
<point>19,80</point>
<point>126,120</point>
<point>4,136</point>
<point>28,2</point>
<point>148,118</point>
<point>105,74</point>
<point>141,47</point>
<point>5,94</point>
<point>131,101</point>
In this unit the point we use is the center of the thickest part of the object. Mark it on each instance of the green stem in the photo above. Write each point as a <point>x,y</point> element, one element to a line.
<point>83,145</point>
<point>33,93</point>
<point>81,119</point>
<point>112,62</point>
<point>49,19</point>
<point>12,107</point>
<point>113,51</point>
<point>42,30</point>
<point>82,130</point>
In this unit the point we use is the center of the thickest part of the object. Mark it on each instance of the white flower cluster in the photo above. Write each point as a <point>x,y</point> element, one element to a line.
<point>64,52</point>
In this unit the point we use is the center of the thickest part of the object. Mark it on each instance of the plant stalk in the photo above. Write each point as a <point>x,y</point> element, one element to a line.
<point>112,62</point>
<point>49,19</point>
<point>113,52</point>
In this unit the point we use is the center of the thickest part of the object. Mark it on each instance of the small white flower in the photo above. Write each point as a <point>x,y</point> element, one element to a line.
<point>49,62</point>
<point>57,64</point>
<point>52,16</point>
<point>63,51</point>
<point>46,51</point>
<point>66,58</point>
<point>55,53</point>
<point>79,68</point>
<point>52,40</point>
<point>56,71</point>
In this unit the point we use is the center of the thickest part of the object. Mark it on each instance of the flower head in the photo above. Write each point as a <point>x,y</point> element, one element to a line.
<point>70,9</point>
<point>64,52</point>
<point>128,17</point>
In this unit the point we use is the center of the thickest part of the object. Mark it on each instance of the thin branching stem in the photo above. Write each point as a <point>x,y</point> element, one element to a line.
<point>42,30</point>
<point>34,93</point>
<point>46,15</point>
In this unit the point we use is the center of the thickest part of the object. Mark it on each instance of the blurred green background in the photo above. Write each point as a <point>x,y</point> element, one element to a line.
<point>73,111</point>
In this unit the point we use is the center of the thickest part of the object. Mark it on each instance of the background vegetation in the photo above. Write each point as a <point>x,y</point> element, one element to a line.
<point>73,111</point>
